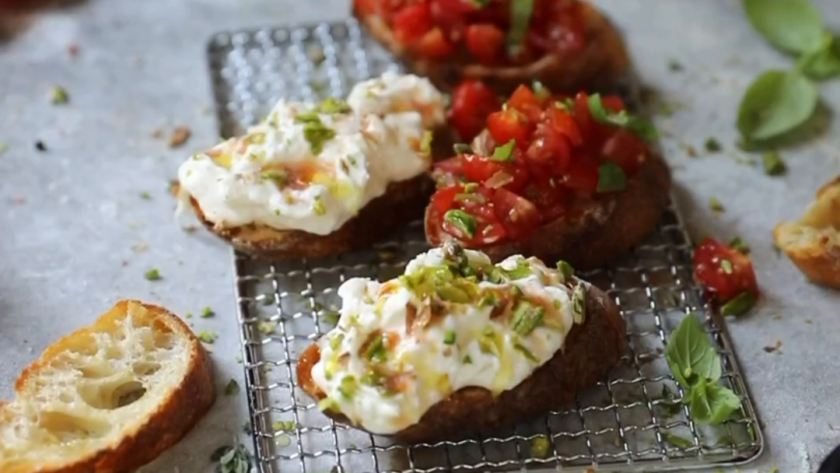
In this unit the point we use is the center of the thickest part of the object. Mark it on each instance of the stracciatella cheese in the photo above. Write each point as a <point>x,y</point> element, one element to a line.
<point>452,320</point>
<point>312,167</point>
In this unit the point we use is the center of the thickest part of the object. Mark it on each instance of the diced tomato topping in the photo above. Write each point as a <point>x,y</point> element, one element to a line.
<point>485,42</point>
<point>472,102</point>
<point>412,22</point>
<point>519,216</point>
<point>506,125</point>
<point>434,44</point>
<point>558,152</point>
<point>370,7</point>
<point>723,271</point>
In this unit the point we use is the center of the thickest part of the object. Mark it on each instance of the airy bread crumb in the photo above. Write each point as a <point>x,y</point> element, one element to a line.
<point>813,241</point>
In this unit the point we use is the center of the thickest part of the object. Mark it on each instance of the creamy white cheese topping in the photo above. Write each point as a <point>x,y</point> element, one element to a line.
<point>377,142</point>
<point>463,344</point>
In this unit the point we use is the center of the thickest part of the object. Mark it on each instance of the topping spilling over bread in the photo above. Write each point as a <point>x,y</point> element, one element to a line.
<point>813,241</point>
<point>109,397</point>
<point>409,353</point>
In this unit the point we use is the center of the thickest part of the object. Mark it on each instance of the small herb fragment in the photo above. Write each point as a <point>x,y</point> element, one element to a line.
<point>565,269</point>
<point>712,145</point>
<point>738,305</point>
<point>716,205</point>
<point>520,17</point>
<point>461,220</point>
<point>504,152</point>
<point>461,148</point>
<point>266,327</point>
<point>676,440</point>
<point>738,244</point>
<point>206,311</point>
<point>231,388</point>
<point>540,446</point>
<point>3,147</point>
<point>331,105</point>
<point>449,337</point>
<point>638,125</point>
<point>152,274</point>
<point>611,177</point>
<point>773,163</point>
<point>318,206</point>
<point>58,95</point>
<point>207,336</point>
<point>236,459</point>
<point>348,386</point>
<point>283,425</point>
<point>525,352</point>
<point>277,175</point>
<point>579,303</point>
<point>467,360</point>
<point>726,266</point>
<point>145,195</point>
<point>674,65</point>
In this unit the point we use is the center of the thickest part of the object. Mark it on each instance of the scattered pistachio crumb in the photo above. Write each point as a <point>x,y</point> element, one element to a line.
<point>207,336</point>
<point>238,358</point>
<point>3,147</point>
<point>145,195</point>
<point>540,446</point>
<point>206,311</point>
<point>232,388</point>
<point>188,314</point>
<point>284,425</point>
<point>674,65</point>
<point>712,145</point>
<point>268,299</point>
<point>773,163</point>
<point>716,205</point>
<point>152,274</point>
<point>266,326</point>
<point>180,134</point>
<point>689,150</point>
<point>318,206</point>
<point>58,95</point>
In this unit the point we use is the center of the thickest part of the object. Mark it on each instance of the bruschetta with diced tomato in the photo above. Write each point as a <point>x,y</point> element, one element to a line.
<point>566,44</point>
<point>551,176</point>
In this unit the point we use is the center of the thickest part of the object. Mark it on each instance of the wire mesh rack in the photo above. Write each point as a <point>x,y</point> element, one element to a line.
<point>627,422</point>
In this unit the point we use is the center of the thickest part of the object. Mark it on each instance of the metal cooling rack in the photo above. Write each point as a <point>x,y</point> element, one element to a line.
<point>621,424</point>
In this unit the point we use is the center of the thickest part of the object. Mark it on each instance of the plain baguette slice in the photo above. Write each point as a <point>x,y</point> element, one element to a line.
<point>813,241</point>
<point>108,397</point>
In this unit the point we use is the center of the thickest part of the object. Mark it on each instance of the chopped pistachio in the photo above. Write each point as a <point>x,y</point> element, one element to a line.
<point>266,326</point>
<point>526,352</point>
<point>332,105</point>
<point>327,404</point>
<point>318,206</point>
<point>488,299</point>
<point>565,269</point>
<point>773,163</point>
<point>231,388</point>
<point>449,337</point>
<point>426,143</point>
<point>540,445</point>
<point>726,266</point>
<point>467,360</point>
<point>277,175</point>
<point>348,386</point>
<point>188,314</point>
<point>376,349</point>
<point>58,95</point>
<point>145,195</point>
<point>716,205</point>
<point>335,340</point>
<point>152,274</point>
<point>207,336</point>
<point>284,425</point>
<point>206,311</point>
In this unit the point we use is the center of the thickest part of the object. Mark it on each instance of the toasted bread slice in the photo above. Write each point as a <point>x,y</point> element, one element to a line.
<point>813,241</point>
<point>604,59</point>
<point>109,397</point>
<point>401,204</point>
<point>592,233</point>
<point>589,352</point>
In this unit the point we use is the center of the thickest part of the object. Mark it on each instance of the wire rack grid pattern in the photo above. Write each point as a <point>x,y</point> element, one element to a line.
<point>627,422</point>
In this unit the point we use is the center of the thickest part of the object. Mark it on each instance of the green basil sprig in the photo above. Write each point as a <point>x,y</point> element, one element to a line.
<point>696,366</point>
<point>778,102</point>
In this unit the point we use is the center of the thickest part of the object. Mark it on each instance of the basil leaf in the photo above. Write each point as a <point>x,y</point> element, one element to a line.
<point>461,220</point>
<point>611,177</point>
<point>711,403</point>
<point>504,152</point>
<point>690,355</point>
<point>822,62</point>
<point>738,305</point>
<point>791,25</point>
<point>776,102</point>
<point>520,17</point>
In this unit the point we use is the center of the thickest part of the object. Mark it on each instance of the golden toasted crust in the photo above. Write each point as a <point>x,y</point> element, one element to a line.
<point>604,59</point>
<point>592,233</point>
<point>590,351</point>
<point>172,418</point>
<point>402,203</point>
<point>813,241</point>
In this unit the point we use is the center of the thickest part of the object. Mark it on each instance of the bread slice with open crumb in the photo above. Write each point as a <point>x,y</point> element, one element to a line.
<point>109,397</point>
<point>813,241</point>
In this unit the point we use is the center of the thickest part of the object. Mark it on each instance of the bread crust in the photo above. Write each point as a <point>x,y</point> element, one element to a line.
<point>818,258</point>
<point>589,352</point>
<point>592,233</point>
<point>172,419</point>
<point>604,59</point>
<point>401,204</point>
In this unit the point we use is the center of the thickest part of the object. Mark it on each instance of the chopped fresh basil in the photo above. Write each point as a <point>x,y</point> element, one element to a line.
<point>738,305</point>
<point>461,220</point>
<point>611,177</point>
<point>504,152</point>
<point>520,17</point>
<point>638,125</point>
<point>773,163</point>
<point>471,187</point>
<point>449,337</point>
<point>426,143</point>
<point>332,105</point>
<point>579,303</point>
<point>775,103</point>
<point>480,3</point>
<point>461,148</point>
<point>566,104</point>
<point>738,244</point>
<point>565,269</point>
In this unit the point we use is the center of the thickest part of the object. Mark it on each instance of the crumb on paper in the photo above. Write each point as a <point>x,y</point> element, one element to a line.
<point>157,132</point>
<point>18,200</point>
<point>205,110</point>
<point>315,54</point>
<point>40,145</point>
<point>145,195</point>
<point>3,147</point>
<point>58,95</point>
<point>773,348</point>
<point>72,50</point>
<point>689,149</point>
<point>180,135</point>
<point>808,321</point>
<point>139,247</point>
